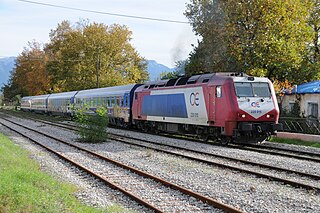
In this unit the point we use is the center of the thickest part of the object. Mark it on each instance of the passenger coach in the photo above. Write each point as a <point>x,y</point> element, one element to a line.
<point>117,100</point>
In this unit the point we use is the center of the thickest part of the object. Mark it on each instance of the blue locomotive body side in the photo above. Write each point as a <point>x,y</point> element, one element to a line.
<point>167,105</point>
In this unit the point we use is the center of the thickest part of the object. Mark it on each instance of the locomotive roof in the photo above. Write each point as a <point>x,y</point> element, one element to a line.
<point>187,80</point>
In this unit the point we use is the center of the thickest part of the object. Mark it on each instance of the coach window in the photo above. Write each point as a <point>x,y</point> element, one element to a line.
<point>218,92</point>
<point>120,101</point>
<point>116,100</point>
<point>113,101</point>
<point>125,101</point>
<point>109,101</point>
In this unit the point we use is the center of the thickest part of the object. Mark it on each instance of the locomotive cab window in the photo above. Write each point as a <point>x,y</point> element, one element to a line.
<point>257,89</point>
<point>243,89</point>
<point>261,89</point>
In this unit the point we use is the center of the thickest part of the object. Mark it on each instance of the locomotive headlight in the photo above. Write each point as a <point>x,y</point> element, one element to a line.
<point>268,116</point>
<point>243,116</point>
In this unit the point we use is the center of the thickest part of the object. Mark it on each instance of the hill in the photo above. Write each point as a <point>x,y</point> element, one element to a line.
<point>155,69</point>
<point>6,65</point>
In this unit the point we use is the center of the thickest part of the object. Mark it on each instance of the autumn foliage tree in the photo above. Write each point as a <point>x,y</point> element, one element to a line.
<point>30,76</point>
<point>93,55</point>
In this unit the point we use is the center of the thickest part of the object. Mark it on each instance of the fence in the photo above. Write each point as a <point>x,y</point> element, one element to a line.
<point>300,125</point>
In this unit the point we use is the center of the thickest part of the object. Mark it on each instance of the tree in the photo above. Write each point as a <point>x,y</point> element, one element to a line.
<point>93,55</point>
<point>264,37</point>
<point>314,22</point>
<point>269,36</point>
<point>29,76</point>
<point>208,20</point>
<point>311,60</point>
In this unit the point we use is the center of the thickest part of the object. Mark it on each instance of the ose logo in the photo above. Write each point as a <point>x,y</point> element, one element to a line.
<point>194,99</point>
<point>255,104</point>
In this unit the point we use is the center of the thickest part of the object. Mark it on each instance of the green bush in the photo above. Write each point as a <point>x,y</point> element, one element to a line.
<point>92,126</point>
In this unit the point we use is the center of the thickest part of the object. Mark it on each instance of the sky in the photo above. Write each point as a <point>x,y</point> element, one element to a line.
<point>165,42</point>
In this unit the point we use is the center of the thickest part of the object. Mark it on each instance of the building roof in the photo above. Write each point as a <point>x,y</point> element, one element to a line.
<point>310,88</point>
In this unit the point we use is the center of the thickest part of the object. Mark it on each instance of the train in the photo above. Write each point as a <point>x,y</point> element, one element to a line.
<point>225,107</point>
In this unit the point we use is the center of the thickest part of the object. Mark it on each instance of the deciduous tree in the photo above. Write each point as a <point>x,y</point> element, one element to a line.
<point>271,38</point>
<point>93,55</point>
<point>29,76</point>
<point>208,20</point>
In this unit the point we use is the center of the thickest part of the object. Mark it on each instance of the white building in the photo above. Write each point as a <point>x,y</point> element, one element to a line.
<point>307,96</point>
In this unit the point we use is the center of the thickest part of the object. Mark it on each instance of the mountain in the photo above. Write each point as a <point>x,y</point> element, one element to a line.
<point>6,65</point>
<point>155,69</point>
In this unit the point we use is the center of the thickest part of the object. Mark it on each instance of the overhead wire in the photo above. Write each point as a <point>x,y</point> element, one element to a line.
<point>105,13</point>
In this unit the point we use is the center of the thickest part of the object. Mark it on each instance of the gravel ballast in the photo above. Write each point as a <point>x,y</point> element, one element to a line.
<point>244,191</point>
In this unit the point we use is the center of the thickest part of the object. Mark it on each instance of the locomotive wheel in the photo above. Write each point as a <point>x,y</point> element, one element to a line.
<point>204,137</point>
<point>156,131</point>
<point>225,141</point>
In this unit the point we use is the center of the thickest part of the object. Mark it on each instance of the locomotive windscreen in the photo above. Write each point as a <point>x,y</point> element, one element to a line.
<point>255,89</point>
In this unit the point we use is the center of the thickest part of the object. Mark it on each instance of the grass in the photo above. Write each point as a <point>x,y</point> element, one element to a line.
<point>295,142</point>
<point>24,188</point>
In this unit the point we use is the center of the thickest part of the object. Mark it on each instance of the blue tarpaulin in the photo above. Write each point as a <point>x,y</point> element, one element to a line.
<point>310,87</point>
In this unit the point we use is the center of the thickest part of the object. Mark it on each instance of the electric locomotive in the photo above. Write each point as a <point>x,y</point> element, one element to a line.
<point>220,106</point>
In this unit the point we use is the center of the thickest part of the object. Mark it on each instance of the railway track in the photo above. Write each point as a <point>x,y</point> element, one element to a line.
<point>302,155</point>
<point>265,149</point>
<point>226,165</point>
<point>296,154</point>
<point>232,163</point>
<point>164,199</point>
